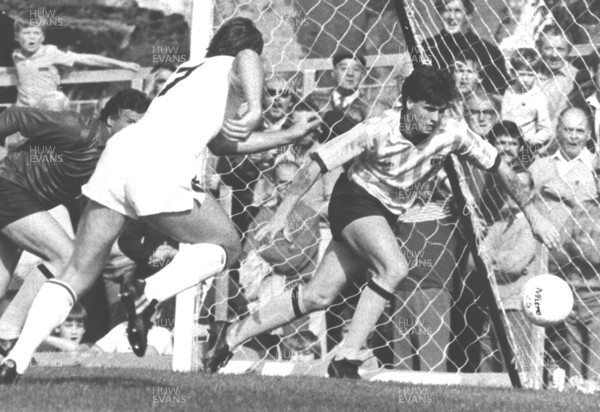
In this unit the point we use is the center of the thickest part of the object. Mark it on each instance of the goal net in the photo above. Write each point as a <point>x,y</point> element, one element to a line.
<point>439,318</point>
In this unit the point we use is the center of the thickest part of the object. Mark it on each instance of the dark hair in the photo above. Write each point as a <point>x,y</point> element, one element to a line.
<point>505,128</point>
<point>524,59</point>
<point>77,312</point>
<point>441,4</point>
<point>235,35</point>
<point>467,55</point>
<point>25,21</point>
<point>428,84</point>
<point>551,31</point>
<point>128,99</point>
<point>163,65</point>
<point>338,57</point>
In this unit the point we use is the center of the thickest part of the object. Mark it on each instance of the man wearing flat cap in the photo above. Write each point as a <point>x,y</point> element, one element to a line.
<point>346,105</point>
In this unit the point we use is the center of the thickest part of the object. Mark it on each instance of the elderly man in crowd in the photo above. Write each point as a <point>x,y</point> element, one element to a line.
<point>568,181</point>
<point>557,74</point>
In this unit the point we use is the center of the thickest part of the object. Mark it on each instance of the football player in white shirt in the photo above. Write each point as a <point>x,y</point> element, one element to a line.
<point>148,174</point>
<point>391,154</point>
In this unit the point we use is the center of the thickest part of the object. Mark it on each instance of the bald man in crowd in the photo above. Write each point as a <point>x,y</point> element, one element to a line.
<point>568,182</point>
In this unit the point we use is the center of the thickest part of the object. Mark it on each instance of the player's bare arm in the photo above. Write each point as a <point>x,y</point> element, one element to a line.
<point>304,122</point>
<point>304,180</point>
<point>248,67</point>
<point>524,197</point>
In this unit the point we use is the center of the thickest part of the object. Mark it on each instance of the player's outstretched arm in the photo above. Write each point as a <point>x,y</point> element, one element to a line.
<point>249,68</point>
<point>541,227</point>
<point>304,180</point>
<point>304,123</point>
<point>35,123</point>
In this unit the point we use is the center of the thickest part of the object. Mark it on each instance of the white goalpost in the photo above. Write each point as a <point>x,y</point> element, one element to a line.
<point>301,36</point>
<point>185,344</point>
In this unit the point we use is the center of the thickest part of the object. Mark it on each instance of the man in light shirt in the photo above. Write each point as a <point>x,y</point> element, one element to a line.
<point>557,75</point>
<point>568,181</point>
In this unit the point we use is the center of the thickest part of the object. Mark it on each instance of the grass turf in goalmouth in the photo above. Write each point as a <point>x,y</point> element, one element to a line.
<point>78,389</point>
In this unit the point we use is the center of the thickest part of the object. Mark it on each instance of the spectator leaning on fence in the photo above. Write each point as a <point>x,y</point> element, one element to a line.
<point>38,65</point>
<point>568,181</point>
<point>67,337</point>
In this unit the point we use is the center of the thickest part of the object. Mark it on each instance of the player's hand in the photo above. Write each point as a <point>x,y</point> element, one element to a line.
<point>544,231</point>
<point>240,129</point>
<point>276,224</point>
<point>134,67</point>
<point>306,122</point>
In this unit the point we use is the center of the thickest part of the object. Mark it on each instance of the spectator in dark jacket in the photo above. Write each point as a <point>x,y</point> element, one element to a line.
<point>456,38</point>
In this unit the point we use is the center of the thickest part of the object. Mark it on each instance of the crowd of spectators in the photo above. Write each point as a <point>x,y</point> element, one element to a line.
<point>527,96</point>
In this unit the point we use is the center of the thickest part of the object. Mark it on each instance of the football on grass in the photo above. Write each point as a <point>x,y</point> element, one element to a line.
<point>547,300</point>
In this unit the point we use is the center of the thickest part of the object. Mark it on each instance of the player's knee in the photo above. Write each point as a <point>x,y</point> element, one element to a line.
<point>391,272</point>
<point>60,254</point>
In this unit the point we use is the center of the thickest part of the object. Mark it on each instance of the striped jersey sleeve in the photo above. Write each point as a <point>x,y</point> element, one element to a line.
<point>362,138</point>
<point>474,148</point>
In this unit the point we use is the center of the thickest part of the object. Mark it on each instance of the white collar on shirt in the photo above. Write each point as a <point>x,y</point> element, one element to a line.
<point>586,157</point>
<point>344,101</point>
<point>593,101</point>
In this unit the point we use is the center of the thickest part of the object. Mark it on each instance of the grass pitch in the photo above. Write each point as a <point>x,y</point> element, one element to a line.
<point>118,389</point>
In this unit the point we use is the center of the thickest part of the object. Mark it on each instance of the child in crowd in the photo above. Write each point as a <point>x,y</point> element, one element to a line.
<point>160,339</point>
<point>67,337</point>
<point>38,64</point>
<point>524,102</point>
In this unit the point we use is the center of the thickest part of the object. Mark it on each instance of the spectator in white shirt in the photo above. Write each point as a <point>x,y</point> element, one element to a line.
<point>568,182</point>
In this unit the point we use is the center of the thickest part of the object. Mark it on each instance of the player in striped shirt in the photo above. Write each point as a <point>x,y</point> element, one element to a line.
<point>391,155</point>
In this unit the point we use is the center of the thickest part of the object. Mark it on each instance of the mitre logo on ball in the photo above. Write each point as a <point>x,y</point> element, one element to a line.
<point>547,300</point>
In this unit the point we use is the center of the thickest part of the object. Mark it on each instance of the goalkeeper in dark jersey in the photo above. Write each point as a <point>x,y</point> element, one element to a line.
<point>59,155</point>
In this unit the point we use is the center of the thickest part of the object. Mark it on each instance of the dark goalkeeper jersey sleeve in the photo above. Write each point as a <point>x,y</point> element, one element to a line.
<point>43,126</point>
<point>57,158</point>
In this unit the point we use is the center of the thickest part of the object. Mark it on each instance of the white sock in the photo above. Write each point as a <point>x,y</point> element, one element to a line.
<point>50,308</point>
<point>14,316</point>
<point>190,266</point>
<point>370,307</point>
